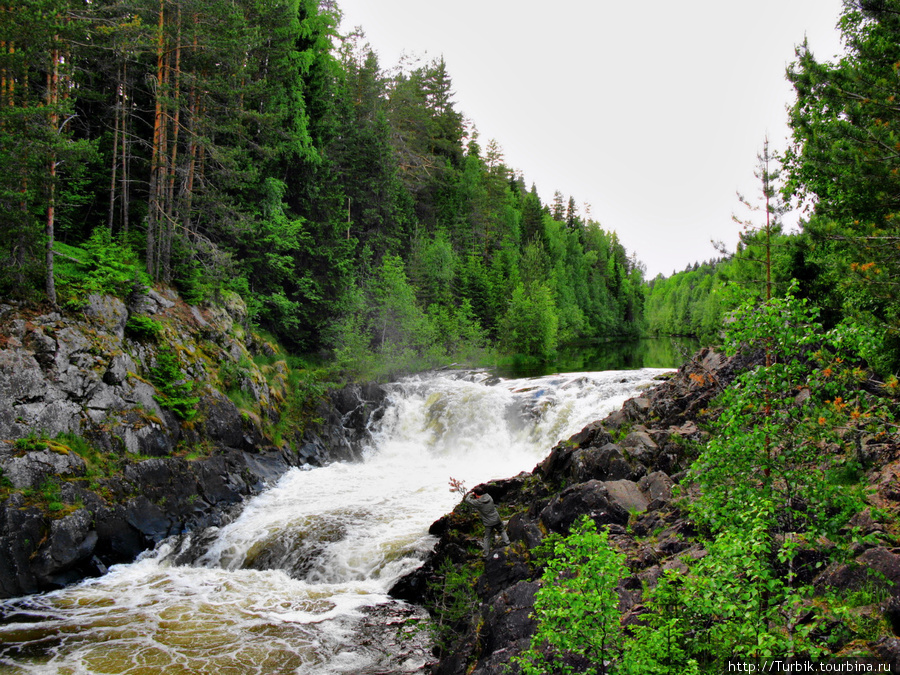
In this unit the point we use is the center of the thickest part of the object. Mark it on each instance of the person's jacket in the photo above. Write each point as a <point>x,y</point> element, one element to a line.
<point>485,507</point>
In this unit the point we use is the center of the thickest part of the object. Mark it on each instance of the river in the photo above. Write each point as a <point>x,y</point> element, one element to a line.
<point>298,582</point>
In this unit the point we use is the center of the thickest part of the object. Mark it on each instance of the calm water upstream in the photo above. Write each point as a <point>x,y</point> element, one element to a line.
<point>298,582</point>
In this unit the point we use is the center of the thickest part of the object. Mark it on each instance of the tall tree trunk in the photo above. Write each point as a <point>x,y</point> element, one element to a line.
<point>126,157</point>
<point>186,196</point>
<point>155,208</point>
<point>115,151</point>
<point>172,156</point>
<point>53,107</point>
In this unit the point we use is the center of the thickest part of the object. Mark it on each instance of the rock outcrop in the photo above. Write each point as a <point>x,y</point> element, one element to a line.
<point>95,467</point>
<point>620,471</point>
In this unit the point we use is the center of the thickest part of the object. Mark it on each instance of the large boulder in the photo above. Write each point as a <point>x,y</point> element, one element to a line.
<point>107,312</point>
<point>219,420</point>
<point>509,624</point>
<point>628,495</point>
<point>591,498</point>
<point>71,544</point>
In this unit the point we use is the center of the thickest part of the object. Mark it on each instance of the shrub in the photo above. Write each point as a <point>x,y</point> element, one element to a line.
<point>175,392</point>
<point>143,328</point>
<point>577,606</point>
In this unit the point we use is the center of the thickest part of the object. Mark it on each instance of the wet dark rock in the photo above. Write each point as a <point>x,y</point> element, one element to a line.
<point>118,540</point>
<point>220,421</point>
<point>521,528</point>
<point>71,545</point>
<point>22,530</point>
<point>890,608</point>
<point>888,650</point>
<point>631,593</point>
<point>502,568</point>
<point>591,498</point>
<point>508,618</point>
<point>645,557</point>
<point>876,567</point>
<point>149,519</point>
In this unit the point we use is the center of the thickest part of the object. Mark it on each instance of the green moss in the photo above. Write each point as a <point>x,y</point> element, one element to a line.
<point>34,442</point>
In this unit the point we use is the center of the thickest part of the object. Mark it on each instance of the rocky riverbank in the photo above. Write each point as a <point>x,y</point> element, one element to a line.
<point>97,464</point>
<point>622,472</point>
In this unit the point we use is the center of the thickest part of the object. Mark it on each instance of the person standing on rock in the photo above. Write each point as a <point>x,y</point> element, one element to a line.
<point>481,501</point>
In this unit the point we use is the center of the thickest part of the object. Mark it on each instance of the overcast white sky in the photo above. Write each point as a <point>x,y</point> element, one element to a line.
<point>651,111</point>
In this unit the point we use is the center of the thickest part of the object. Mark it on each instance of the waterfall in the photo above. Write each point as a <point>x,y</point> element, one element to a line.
<point>298,582</point>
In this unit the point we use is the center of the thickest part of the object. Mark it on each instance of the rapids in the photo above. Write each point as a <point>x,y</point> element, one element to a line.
<point>298,582</point>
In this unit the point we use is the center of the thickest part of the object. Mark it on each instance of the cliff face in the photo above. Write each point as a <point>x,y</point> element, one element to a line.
<point>104,451</point>
<point>621,472</point>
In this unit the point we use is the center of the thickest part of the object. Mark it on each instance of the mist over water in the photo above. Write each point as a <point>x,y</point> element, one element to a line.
<point>298,581</point>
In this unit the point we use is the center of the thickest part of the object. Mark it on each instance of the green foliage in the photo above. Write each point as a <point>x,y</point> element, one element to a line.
<point>687,303</point>
<point>843,161</point>
<point>665,644</point>
<point>306,388</point>
<point>530,325</point>
<point>576,607</point>
<point>104,265</point>
<point>51,493</point>
<point>776,418</point>
<point>387,332</point>
<point>99,464</point>
<point>232,376</point>
<point>453,601</point>
<point>736,602</point>
<point>33,442</point>
<point>143,328</point>
<point>175,392</point>
<point>289,171</point>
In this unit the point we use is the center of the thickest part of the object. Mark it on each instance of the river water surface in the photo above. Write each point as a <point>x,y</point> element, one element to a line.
<point>298,582</point>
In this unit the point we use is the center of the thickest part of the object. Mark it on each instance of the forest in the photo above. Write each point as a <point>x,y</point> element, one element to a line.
<point>248,147</point>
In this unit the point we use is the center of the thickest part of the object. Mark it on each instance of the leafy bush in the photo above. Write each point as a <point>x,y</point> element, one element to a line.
<point>767,443</point>
<point>577,606</point>
<point>104,265</point>
<point>736,602</point>
<point>143,328</point>
<point>175,393</point>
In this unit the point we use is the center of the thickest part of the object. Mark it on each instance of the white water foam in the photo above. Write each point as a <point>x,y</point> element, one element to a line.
<point>283,587</point>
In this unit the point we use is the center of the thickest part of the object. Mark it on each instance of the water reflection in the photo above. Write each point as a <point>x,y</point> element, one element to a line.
<point>668,352</point>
